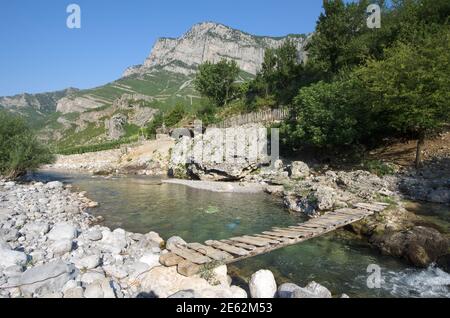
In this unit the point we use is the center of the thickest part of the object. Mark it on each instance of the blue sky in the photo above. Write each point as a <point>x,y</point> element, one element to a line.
<point>38,53</point>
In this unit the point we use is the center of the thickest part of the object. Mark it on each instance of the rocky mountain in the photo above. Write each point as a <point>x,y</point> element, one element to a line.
<point>44,102</point>
<point>212,42</point>
<point>72,117</point>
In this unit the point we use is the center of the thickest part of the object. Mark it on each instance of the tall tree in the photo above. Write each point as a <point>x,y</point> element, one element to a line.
<point>411,86</point>
<point>216,81</point>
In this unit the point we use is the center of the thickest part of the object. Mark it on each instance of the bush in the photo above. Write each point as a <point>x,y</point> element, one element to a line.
<point>175,116</point>
<point>19,149</point>
<point>154,125</point>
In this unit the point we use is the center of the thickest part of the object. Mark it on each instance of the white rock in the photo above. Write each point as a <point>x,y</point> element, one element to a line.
<point>115,271</point>
<point>76,292</point>
<point>113,242</point>
<point>62,231</point>
<point>238,292</point>
<point>150,259</point>
<point>262,285</point>
<point>88,262</point>
<point>312,290</point>
<point>54,185</point>
<point>62,247</point>
<point>100,289</point>
<point>92,276</point>
<point>9,257</point>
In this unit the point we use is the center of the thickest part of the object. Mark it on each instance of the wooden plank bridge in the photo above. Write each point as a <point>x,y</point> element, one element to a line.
<point>192,258</point>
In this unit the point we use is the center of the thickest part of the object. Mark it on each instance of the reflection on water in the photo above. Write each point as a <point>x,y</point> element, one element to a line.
<point>142,204</point>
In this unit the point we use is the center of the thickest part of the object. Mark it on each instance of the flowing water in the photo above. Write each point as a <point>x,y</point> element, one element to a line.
<point>336,260</point>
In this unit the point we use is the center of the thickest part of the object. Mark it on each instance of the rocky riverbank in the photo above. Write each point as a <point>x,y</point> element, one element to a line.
<point>50,246</point>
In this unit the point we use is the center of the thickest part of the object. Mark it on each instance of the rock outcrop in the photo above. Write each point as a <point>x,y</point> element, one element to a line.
<point>212,42</point>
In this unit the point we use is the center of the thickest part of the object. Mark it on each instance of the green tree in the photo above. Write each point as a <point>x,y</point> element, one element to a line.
<point>19,149</point>
<point>216,81</point>
<point>410,87</point>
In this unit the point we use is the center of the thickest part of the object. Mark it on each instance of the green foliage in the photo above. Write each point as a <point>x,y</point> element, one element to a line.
<point>280,77</point>
<point>216,81</point>
<point>410,87</point>
<point>96,147</point>
<point>19,148</point>
<point>156,123</point>
<point>326,116</point>
<point>175,116</point>
<point>375,83</point>
<point>378,167</point>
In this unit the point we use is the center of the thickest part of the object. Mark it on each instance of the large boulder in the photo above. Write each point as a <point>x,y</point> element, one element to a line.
<point>262,285</point>
<point>164,281</point>
<point>420,245</point>
<point>46,279</point>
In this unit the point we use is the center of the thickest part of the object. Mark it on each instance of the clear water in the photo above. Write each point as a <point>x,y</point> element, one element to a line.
<point>337,260</point>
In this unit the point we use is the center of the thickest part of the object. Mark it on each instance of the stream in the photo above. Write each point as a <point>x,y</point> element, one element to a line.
<point>337,260</point>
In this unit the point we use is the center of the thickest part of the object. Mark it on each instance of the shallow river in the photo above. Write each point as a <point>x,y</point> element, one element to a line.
<point>337,260</point>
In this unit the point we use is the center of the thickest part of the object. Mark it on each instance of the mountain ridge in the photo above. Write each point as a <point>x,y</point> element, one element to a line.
<point>165,79</point>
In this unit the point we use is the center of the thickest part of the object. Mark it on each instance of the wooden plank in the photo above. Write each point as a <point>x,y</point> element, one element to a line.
<point>298,233</point>
<point>286,234</point>
<point>190,255</point>
<point>210,252</point>
<point>239,244</point>
<point>170,259</point>
<point>228,248</point>
<point>371,207</point>
<point>249,240</point>
<point>279,239</point>
<point>188,269</point>
<point>264,239</point>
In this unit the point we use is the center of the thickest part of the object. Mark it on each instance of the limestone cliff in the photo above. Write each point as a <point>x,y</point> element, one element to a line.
<point>212,42</point>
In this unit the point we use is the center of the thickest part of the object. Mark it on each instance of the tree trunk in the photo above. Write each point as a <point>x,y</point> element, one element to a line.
<point>419,152</point>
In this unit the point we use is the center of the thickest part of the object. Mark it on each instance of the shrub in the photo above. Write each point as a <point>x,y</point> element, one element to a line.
<point>19,149</point>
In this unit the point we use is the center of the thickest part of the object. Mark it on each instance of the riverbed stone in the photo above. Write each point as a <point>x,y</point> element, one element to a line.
<point>100,289</point>
<point>54,185</point>
<point>312,290</point>
<point>76,292</point>
<point>94,235</point>
<point>262,285</point>
<point>88,262</point>
<point>286,290</point>
<point>92,276</point>
<point>113,242</point>
<point>47,278</point>
<point>174,241</point>
<point>61,247</point>
<point>10,257</point>
<point>299,169</point>
<point>151,259</point>
<point>62,231</point>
